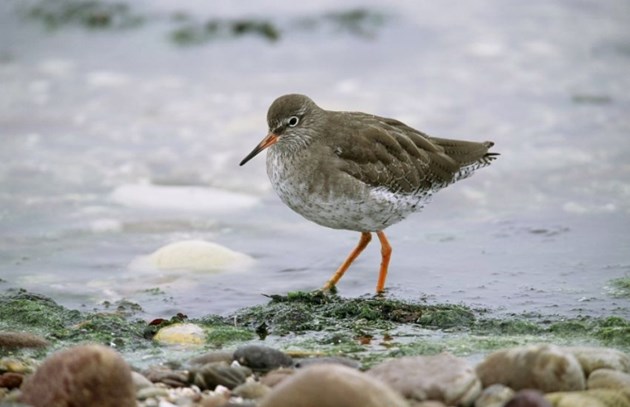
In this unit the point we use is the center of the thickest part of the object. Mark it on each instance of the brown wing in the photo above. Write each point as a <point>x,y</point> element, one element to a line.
<point>387,153</point>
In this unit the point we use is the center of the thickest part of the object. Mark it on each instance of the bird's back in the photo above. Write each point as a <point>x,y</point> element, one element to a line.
<point>383,152</point>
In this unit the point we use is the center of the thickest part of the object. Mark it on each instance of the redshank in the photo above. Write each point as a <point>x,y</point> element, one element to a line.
<point>357,171</point>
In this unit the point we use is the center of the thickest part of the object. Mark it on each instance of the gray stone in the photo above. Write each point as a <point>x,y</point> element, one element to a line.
<point>332,386</point>
<point>262,358</point>
<point>542,367</point>
<point>442,377</point>
<point>211,375</point>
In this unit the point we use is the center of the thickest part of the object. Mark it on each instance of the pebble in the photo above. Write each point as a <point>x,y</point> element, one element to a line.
<point>181,334</point>
<point>210,357</point>
<point>19,340</point>
<point>251,390</point>
<point>173,378</point>
<point>262,358</point>
<point>442,377</point>
<point>528,398</point>
<point>542,367</point>
<point>139,381</point>
<point>274,377</point>
<point>10,380</point>
<point>589,398</point>
<point>332,386</point>
<point>211,375</point>
<point>608,379</point>
<point>592,358</point>
<point>151,392</point>
<point>301,363</point>
<point>88,375</point>
<point>494,396</point>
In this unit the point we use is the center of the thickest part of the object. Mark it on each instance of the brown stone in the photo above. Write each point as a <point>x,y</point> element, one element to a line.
<point>543,367</point>
<point>18,340</point>
<point>89,375</point>
<point>332,386</point>
<point>11,380</point>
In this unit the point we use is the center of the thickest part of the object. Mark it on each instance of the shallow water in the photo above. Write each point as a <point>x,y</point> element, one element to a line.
<point>115,142</point>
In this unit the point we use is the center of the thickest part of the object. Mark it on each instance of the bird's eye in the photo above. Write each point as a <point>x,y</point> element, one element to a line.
<point>293,121</point>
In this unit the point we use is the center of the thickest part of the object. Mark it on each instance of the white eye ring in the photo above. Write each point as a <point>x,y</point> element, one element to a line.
<point>293,121</point>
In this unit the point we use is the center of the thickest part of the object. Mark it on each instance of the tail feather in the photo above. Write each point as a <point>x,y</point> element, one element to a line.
<point>470,155</point>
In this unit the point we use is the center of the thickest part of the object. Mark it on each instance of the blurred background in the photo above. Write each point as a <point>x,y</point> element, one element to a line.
<point>122,124</point>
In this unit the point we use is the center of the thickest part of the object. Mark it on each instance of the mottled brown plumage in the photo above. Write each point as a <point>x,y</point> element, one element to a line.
<point>356,171</point>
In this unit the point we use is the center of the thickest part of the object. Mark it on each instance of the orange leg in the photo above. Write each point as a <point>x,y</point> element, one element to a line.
<point>386,253</point>
<point>365,239</point>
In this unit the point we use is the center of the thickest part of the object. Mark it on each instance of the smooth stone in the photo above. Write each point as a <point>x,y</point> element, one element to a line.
<point>262,358</point>
<point>251,390</point>
<point>89,375</point>
<point>172,378</point>
<point>494,396</point>
<point>196,255</point>
<point>608,379</point>
<point>332,386</point>
<point>442,377</point>
<point>542,367</point>
<point>593,358</point>
<point>151,392</point>
<point>19,340</point>
<point>302,363</point>
<point>181,334</point>
<point>274,377</point>
<point>211,375</point>
<point>211,357</point>
<point>139,381</point>
<point>528,398</point>
<point>589,398</point>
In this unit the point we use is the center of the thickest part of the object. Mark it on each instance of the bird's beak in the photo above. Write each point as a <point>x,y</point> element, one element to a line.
<point>270,140</point>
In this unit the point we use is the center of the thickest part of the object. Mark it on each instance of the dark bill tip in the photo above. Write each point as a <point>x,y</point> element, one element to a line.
<point>266,142</point>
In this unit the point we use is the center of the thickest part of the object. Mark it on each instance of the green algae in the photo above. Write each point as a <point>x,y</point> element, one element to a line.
<point>90,14</point>
<point>301,312</point>
<point>368,329</point>
<point>620,287</point>
<point>187,30</point>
